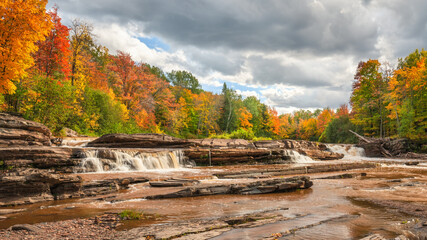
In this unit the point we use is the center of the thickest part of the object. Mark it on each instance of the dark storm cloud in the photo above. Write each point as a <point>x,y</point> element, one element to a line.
<point>410,31</point>
<point>321,27</point>
<point>311,45</point>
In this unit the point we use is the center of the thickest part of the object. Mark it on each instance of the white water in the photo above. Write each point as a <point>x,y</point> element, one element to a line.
<point>296,157</point>
<point>350,152</point>
<point>129,160</point>
<point>76,142</point>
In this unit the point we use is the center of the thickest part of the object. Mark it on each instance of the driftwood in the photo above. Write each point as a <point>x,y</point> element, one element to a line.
<point>374,147</point>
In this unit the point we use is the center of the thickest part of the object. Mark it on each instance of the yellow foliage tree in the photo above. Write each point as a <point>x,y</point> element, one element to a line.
<point>22,24</point>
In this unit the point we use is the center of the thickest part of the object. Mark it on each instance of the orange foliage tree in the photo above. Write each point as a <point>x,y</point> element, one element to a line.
<point>244,117</point>
<point>22,24</point>
<point>323,120</point>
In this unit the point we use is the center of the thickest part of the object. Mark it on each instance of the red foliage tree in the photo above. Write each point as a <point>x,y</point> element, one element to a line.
<point>53,53</point>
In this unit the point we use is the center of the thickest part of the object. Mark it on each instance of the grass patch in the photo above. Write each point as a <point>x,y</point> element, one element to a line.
<point>131,215</point>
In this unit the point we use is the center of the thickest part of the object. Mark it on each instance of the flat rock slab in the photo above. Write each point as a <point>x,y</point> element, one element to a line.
<point>257,187</point>
<point>174,183</point>
<point>203,228</point>
<point>11,211</point>
<point>344,176</point>
<point>262,173</point>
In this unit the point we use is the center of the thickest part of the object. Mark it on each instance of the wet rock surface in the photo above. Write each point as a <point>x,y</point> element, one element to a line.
<point>257,187</point>
<point>35,185</point>
<point>173,182</point>
<point>24,186</point>
<point>277,171</point>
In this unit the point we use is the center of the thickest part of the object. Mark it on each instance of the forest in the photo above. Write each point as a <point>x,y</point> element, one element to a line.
<point>62,77</point>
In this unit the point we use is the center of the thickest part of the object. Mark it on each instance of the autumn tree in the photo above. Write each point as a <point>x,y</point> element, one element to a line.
<point>408,96</point>
<point>22,24</point>
<point>323,120</point>
<point>367,98</point>
<point>126,82</point>
<point>54,52</point>
<point>81,39</point>
<point>244,118</point>
<point>206,106</point>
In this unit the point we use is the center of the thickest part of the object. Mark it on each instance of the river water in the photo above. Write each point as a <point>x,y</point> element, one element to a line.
<point>330,209</point>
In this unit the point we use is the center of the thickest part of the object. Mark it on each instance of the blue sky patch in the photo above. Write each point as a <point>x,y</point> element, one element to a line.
<point>154,43</point>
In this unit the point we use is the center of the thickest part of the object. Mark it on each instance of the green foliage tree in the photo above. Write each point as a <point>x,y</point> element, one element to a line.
<point>186,80</point>
<point>337,131</point>
<point>367,99</point>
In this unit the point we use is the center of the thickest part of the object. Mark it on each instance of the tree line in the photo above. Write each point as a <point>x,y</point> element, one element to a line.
<point>59,75</point>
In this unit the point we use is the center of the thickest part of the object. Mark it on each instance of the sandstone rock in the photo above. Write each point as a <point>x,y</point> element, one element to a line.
<point>18,131</point>
<point>139,141</point>
<point>258,187</point>
<point>343,176</point>
<point>269,144</point>
<point>221,143</point>
<point>40,157</point>
<point>70,132</point>
<point>11,211</point>
<point>35,185</point>
<point>26,227</point>
<point>174,183</point>
<point>204,156</point>
<point>320,154</point>
<point>294,170</point>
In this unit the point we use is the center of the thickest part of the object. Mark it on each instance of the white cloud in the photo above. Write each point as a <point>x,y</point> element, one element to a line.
<point>247,93</point>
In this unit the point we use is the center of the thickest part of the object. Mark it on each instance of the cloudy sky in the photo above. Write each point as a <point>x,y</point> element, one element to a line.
<point>290,54</point>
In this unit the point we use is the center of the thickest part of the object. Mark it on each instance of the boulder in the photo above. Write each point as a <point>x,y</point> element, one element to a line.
<point>16,131</point>
<point>26,227</point>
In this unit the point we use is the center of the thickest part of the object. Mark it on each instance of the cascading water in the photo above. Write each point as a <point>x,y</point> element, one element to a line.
<point>104,160</point>
<point>75,142</point>
<point>296,157</point>
<point>349,151</point>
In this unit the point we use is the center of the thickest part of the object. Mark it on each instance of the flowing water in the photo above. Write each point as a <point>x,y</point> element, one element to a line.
<point>118,160</point>
<point>350,151</point>
<point>330,209</point>
<point>296,157</point>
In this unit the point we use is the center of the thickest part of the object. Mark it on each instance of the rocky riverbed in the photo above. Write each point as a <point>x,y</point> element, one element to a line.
<point>283,189</point>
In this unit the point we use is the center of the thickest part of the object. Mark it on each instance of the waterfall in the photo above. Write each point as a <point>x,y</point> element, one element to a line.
<point>296,157</point>
<point>349,151</point>
<point>104,160</point>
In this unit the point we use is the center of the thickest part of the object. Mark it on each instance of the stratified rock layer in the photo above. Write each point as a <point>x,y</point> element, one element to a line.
<point>18,131</point>
<point>23,186</point>
<point>257,187</point>
<point>220,151</point>
<point>139,141</point>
